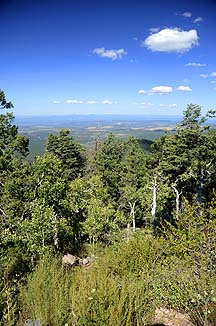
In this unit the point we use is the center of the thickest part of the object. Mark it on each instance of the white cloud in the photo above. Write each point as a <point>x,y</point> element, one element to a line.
<point>161,89</point>
<point>168,105</point>
<point>195,64</point>
<point>172,40</point>
<point>142,91</point>
<point>187,14</point>
<point>186,80</point>
<point>74,102</point>
<point>154,29</point>
<point>55,102</point>
<point>146,104</point>
<point>213,74</point>
<point>108,102</point>
<point>110,54</point>
<point>213,82</point>
<point>198,20</point>
<point>157,90</point>
<point>204,75</point>
<point>91,102</point>
<point>135,38</point>
<point>184,88</point>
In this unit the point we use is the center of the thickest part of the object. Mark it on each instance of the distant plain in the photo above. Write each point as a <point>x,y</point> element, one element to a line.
<point>87,128</point>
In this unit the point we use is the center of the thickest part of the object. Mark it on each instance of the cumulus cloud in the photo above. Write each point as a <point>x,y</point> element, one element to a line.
<point>184,88</point>
<point>213,82</point>
<point>187,14</point>
<point>204,75</point>
<point>55,102</point>
<point>161,89</point>
<point>154,30</point>
<point>110,54</point>
<point>186,80</point>
<point>168,105</point>
<point>157,90</point>
<point>74,102</point>
<point>109,102</point>
<point>213,74</point>
<point>142,91</point>
<point>172,40</point>
<point>195,64</point>
<point>91,102</point>
<point>198,20</point>
<point>146,104</point>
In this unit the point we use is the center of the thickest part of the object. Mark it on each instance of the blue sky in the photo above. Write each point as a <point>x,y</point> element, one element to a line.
<point>95,57</point>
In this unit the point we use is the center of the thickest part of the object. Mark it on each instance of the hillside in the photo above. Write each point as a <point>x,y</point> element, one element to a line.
<point>140,225</point>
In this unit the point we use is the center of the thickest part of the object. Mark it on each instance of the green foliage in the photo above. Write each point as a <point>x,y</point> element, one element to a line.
<point>100,213</point>
<point>185,160</point>
<point>31,205</point>
<point>121,166</point>
<point>107,164</point>
<point>130,279</point>
<point>69,152</point>
<point>38,232</point>
<point>93,297</point>
<point>57,204</point>
<point>47,181</point>
<point>11,143</point>
<point>3,102</point>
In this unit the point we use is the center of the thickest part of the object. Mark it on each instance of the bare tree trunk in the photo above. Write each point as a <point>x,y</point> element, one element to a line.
<point>132,214</point>
<point>55,237</point>
<point>200,190</point>
<point>128,232</point>
<point>154,202</point>
<point>200,186</point>
<point>3,213</point>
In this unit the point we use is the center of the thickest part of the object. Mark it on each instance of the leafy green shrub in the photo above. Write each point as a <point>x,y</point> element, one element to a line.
<point>93,296</point>
<point>130,279</point>
<point>136,257</point>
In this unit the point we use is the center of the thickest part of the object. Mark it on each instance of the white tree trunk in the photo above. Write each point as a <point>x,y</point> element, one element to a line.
<point>200,186</point>
<point>3,213</point>
<point>128,232</point>
<point>154,200</point>
<point>55,237</point>
<point>200,190</point>
<point>132,215</point>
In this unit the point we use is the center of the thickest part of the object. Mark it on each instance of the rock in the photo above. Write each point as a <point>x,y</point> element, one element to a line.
<point>69,260</point>
<point>86,262</point>
<point>171,317</point>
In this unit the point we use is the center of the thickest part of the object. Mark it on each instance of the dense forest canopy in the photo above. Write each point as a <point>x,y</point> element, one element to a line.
<point>68,197</point>
<point>65,197</point>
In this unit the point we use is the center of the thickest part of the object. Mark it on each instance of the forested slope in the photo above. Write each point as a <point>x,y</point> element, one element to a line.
<point>146,216</point>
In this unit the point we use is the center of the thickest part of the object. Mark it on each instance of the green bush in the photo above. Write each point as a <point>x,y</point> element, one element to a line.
<point>129,279</point>
<point>92,296</point>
